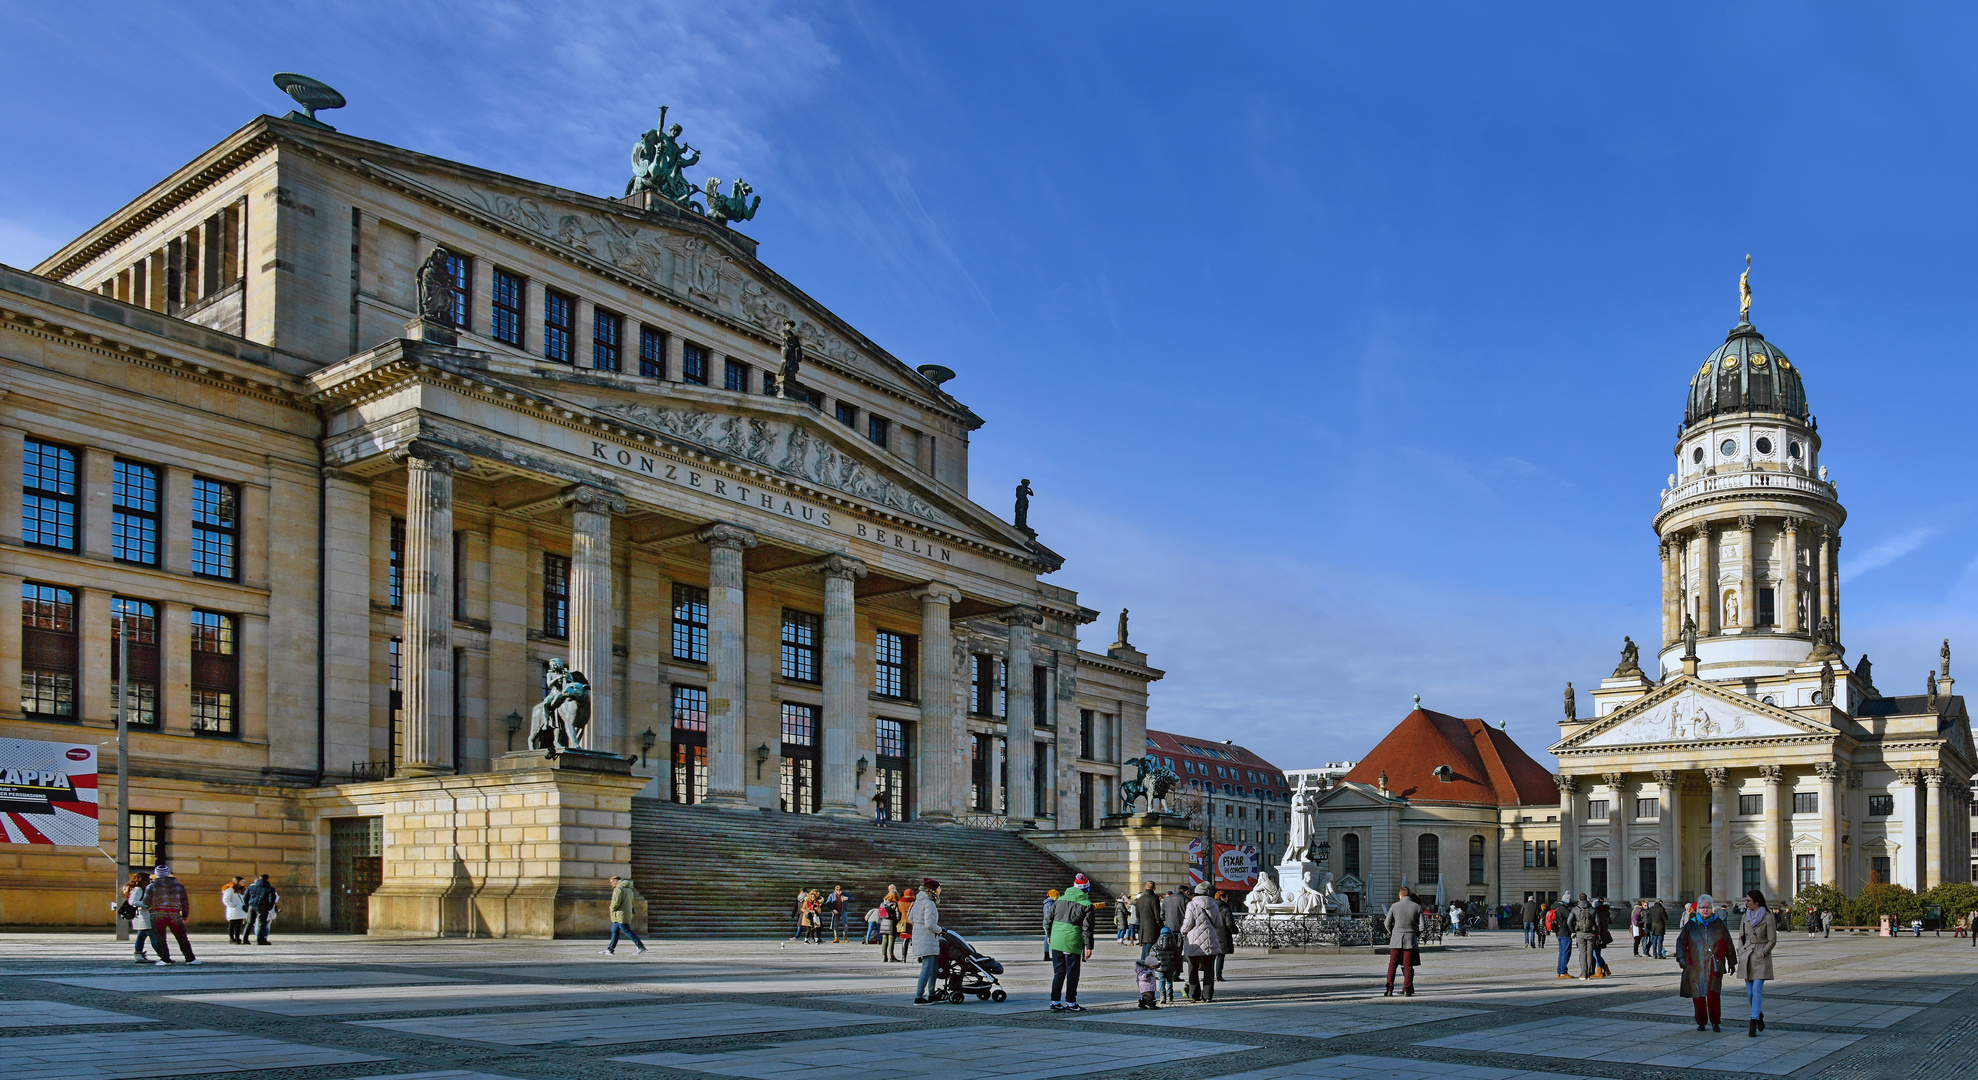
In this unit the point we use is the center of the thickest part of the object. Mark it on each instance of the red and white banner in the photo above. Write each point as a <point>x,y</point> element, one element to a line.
<point>48,793</point>
<point>1237,866</point>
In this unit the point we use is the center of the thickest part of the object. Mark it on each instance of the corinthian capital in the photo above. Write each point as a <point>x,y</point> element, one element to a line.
<point>1718,777</point>
<point>1828,771</point>
<point>1568,785</point>
<point>1665,777</point>
<point>1613,780</point>
<point>1747,522</point>
<point>426,454</point>
<point>840,566</point>
<point>723,535</point>
<point>1772,774</point>
<point>594,499</point>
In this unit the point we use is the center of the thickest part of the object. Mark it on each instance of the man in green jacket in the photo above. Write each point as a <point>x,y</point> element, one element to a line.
<point>1068,928</point>
<point>624,900</point>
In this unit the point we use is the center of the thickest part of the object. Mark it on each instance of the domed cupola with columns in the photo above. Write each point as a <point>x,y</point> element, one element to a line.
<point>1749,525</point>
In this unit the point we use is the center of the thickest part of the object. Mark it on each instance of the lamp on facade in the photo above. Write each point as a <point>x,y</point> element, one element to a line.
<point>861,768</point>
<point>514,725</point>
<point>761,755</point>
<point>646,742</point>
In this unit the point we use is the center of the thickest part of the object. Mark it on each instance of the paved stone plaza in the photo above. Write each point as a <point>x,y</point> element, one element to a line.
<point>348,1008</point>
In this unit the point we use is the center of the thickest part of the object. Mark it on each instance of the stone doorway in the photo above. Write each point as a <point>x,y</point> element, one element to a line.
<point>357,866</point>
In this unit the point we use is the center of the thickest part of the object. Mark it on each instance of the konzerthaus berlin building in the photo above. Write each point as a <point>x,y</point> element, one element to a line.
<point>347,542</point>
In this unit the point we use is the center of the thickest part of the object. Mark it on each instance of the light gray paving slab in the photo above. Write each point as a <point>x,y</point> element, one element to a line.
<point>1785,1010</point>
<point>214,977</point>
<point>343,1001</point>
<point>1368,1067</point>
<point>1649,1042</point>
<point>987,1052</point>
<point>125,1054</point>
<point>23,1014</point>
<point>443,1074</point>
<point>1923,991</point>
<point>1268,1018</point>
<point>631,966</point>
<point>635,1023</point>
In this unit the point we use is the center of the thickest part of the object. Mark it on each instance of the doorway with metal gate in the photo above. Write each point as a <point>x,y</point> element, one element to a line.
<point>357,865</point>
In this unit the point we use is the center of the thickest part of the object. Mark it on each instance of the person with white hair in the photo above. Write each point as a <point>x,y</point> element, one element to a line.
<point>1704,950</point>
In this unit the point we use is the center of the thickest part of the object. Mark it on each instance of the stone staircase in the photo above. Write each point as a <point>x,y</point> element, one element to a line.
<point>735,874</point>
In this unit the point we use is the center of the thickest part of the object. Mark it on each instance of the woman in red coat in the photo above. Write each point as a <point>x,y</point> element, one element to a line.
<point>1705,951</point>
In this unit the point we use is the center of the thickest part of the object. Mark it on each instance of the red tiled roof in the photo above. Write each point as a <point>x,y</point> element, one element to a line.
<point>1489,769</point>
<point>1219,752</point>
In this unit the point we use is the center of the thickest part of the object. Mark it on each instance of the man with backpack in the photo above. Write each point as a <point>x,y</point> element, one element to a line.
<point>1558,922</point>
<point>261,902</point>
<point>1068,929</point>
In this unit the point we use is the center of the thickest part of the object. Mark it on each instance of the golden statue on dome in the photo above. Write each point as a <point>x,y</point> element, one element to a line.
<point>1744,292</point>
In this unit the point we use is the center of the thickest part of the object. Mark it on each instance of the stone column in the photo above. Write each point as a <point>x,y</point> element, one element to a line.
<point>1672,615</point>
<point>1669,864</point>
<point>1823,583</point>
<point>1933,822</point>
<point>1831,823</point>
<point>1569,833</point>
<point>591,610</point>
<point>1706,570</point>
<point>426,663</point>
<point>1020,723</point>
<point>838,781</point>
<point>1789,578</point>
<point>1903,867</point>
<point>1617,833</point>
<point>1775,831</point>
<point>727,663</point>
<point>1747,573</point>
<point>1834,585</point>
<point>1720,832</point>
<point>936,739</point>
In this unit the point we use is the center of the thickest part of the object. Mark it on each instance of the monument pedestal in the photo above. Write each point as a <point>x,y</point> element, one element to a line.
<point>1126,851</point>
<point>524,851</point>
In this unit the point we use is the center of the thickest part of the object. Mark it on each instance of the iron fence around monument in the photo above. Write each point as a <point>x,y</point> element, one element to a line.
<point>1324,931</point>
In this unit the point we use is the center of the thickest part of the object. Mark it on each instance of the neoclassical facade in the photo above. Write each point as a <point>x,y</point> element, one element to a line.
<point>1761,757</point>
<point>780,591</point>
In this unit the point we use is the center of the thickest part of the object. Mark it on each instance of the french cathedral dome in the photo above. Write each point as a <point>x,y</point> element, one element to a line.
<point>1746,374</point>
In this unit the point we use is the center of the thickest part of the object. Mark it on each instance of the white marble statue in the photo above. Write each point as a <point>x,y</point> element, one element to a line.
<point>1264,895</point>
<point>1304,824</point>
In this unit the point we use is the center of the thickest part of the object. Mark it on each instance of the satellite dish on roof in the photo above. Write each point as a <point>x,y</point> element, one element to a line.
<point>311,94</point>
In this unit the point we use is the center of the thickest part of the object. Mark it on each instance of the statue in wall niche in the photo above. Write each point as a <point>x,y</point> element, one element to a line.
<point>1730,609</point>
<point>1023,493</point>
<point>558,721</point>
<point>1572,708</point>
<point>436,289</point>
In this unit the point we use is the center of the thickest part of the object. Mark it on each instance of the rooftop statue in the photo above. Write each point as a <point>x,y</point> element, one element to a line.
<point>1023,493</point>
<point>733,207</point>
<point>1571,709</point>
<point>659,161</point>
<point>1630,659</point>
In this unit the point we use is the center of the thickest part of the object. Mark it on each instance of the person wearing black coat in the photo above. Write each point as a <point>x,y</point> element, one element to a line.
<point>261,901</point>
<point>1228,932</point>
<point>1147,919</point>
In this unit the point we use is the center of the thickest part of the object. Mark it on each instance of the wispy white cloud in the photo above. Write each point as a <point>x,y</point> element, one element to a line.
<point>1886,552</point>
<point>23,244</point>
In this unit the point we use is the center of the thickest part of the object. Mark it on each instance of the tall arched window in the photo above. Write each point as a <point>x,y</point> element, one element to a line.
<point>1428,859</point>
<point>1349,853</point>
<point>1476,860</point>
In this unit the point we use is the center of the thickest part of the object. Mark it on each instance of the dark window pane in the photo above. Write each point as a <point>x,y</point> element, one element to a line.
<point>48,510</point>
<point>395,565</point>
<point>459,286</point>
<point>652,353</point>
<point>693,364</point>
<point>800,634</point>
<point>506,322</point>
<point>734,375</point>
<point>690,623</point>
<point>879,429</point>
<point>848,414</point>
<point>134,513</point>
<point>689,708</point>
<point>556,596</point>
<point>215,520</point>
<point>607,330</point>
<point>558,313</point>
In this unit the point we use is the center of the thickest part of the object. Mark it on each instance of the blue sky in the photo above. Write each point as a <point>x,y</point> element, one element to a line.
<point>1346,344</point>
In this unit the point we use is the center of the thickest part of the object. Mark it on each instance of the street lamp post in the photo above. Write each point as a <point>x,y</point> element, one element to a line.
<point>123,774</point>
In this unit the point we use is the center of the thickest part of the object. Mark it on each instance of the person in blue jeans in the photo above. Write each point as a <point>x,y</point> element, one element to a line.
<point>623,903</point>
<point>836,904</point>
<point>1561,912</point>
<point>926,918</point>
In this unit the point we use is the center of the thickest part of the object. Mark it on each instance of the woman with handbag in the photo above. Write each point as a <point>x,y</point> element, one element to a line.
<point>133,909</point>
<point>1704,950</point>
<point>1756,936</point>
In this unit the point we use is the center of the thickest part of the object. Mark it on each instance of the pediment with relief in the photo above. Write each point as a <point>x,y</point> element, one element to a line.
<point>1692,711</point>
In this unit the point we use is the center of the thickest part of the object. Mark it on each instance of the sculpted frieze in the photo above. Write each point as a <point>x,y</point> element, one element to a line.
<point>779,445</point>
<point>1690,717</point>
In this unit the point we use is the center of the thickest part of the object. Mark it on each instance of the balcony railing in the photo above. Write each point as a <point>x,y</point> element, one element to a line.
<point>1745,481</point>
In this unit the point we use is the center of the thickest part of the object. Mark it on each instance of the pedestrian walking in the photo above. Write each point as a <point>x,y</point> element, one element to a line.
<point>1756,936</point>
<point>1050,897</point>
<point>815,917</point>
<point>1167,961</point>
<point>1068,934</point>
<point>1703,948</point>
<point>1120,923</point>
<point>797,914</point>
<point>166,898</point>
<point>1583,936</point>
<point>1562,928</point>
<point>1147,919</point>
<point>1656,921</point>
<point>882,805</point>
<point>1637,919</point>
<point>262,900</point>
<point>132,908</point>
<point>1201,942</point>
<point>233,900</point>
<point>1226,924</point>
<point>1826,924</point>
<point>1545,915</point>
<point>1603,936</point>
<point>624,901</point>
<point>837,906</point>
<point>889,925</point>
<point>906,919</point>
<point>1528,914</point>
<point>1404,927</point>
<point>926,917</point>
<point>1173,906</point>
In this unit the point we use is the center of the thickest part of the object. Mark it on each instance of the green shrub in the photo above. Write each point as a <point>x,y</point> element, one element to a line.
<point>1882,898</point>
<point>1957,898</point>
<point>1820,898</point>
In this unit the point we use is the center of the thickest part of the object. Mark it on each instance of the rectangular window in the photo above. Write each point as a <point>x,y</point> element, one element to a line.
<point>1532,853</point>
<point>893,664</point>
<point>556,596</point>
<point>693,364</point>
<point>1806,802</point>
<point>1881,806</point>
<point>215,528</point>
<point>652,353</point>
<point>559,312</point>
<point>1754,873</point>
<point>1805,872</point>
<point>1040,698</point>
<point>395,565</point>
<point>892,739</point>
<point>607,337</point>
<point>215,673</point>
<point>978,773</point>
<point>140,628</point>
<point>690,624</point>
<point>48,652</point>
<point>689,708</point>
<point>147,840</point>
<point>1749,805</point>
<point>800,634</point>
<point>1878,868</point>
<point>1767,611</point>
<point>48,490</point>
<point>878,429</point>
<point>734,375</point>
<point>769,384</point>
<point>1596,809</point>
<point>799,771</point>
<point>1648,810</point>
<point>459,271</point>
<point>1597,877</point>
<point>459,576</point>
<point>1552,853</point>
<point>1085,741</point>
<point>506,319</point>
<point>1645,876</point>
<point>848,414</point>
<point>134,513</point>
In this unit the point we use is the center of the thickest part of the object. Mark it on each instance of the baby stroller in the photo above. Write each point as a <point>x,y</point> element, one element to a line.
<point>966,971</point>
